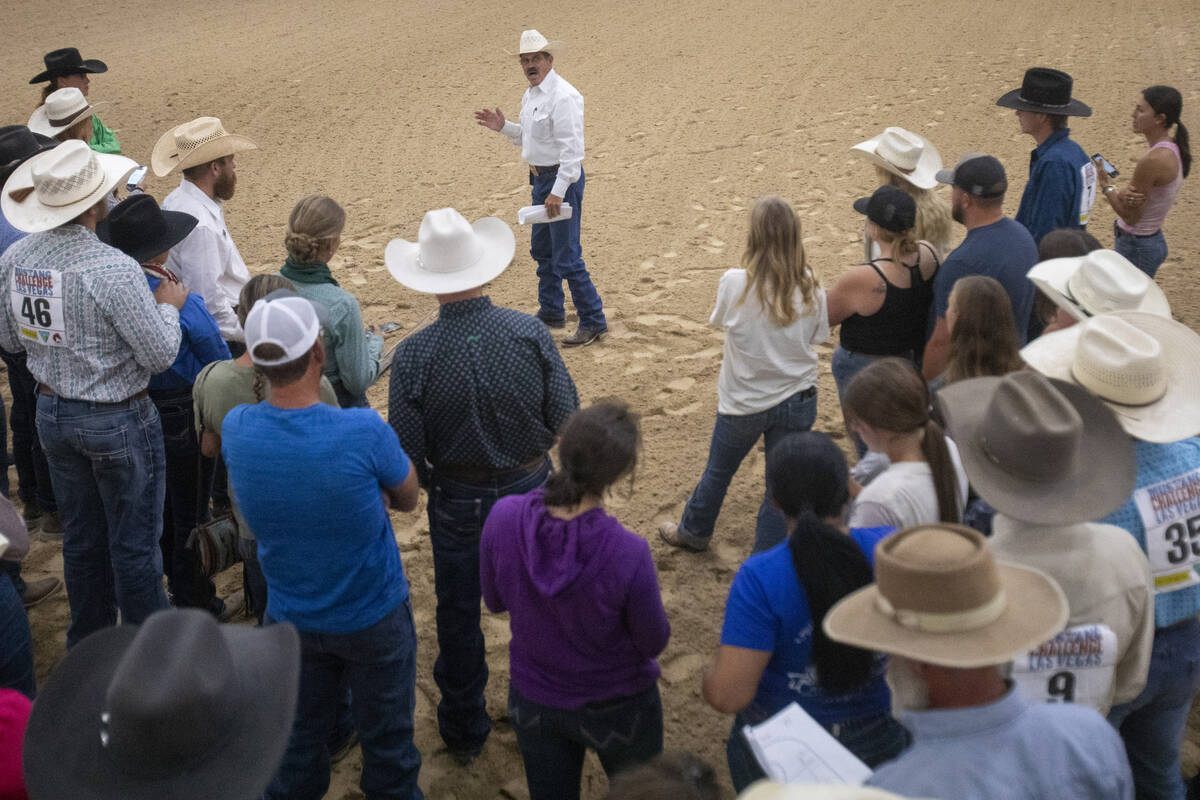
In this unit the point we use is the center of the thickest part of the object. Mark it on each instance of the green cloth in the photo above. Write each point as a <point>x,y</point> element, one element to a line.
<point>103,140</point>
<point>351,354</point>
<point>307,272</point>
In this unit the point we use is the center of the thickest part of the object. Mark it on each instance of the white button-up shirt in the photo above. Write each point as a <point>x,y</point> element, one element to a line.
<point>207,261</point>
<point>551,129</point>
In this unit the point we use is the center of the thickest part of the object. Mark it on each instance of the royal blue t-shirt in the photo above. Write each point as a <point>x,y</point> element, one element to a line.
<point>308,483</point>
<point>1003,250</point>
<point>767,611</point>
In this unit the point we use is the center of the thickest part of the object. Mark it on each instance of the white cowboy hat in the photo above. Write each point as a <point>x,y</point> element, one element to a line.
<point>57,186</point>
<point>770,790</point>
<point>1142,365</point>
<point>903,153</point>
<point>451,254</point>
<point>194,143</point>
<point>61,110</point>
<point>1097,283</point>
<point>534,42</point>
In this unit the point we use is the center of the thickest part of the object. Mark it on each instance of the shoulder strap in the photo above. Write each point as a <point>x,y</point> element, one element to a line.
<point>878,271</point>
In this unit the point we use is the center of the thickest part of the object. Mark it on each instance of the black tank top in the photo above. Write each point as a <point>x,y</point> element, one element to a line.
<point>898,327</point>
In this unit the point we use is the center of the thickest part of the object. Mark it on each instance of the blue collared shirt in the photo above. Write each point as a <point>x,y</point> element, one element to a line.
<point>1054,197</point>
<point>201,344</point>
<point>1012,749</point>
<point>8,234</point>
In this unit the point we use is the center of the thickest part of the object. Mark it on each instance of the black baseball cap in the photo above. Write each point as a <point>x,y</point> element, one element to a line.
<point>976,174</point>
<point>890,208</point>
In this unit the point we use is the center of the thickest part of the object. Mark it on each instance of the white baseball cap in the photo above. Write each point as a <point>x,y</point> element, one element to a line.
<point>286,320</point>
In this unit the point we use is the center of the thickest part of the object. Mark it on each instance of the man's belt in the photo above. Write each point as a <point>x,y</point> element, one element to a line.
<point>535,170</point>
<point>472,475</point>
<point>46,390</point>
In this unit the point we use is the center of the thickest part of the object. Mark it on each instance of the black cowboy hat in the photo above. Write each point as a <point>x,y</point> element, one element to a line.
<point>1045,91</point>
<point>139,228</point>
<point>19,144</point>
<point>179,707</point>
<point>67,61</point>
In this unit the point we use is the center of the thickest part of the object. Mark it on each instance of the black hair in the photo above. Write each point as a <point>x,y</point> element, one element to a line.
<point>808,479</point>
<point>1167,101</point>
<point>597,446</point>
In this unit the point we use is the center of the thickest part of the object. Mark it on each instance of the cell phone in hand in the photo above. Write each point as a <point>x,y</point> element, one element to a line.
<point>1103,164</point>
<point>135,178</point>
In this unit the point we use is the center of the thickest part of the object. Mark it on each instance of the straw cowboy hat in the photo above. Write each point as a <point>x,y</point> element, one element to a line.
<point>534,42</point>
<point>769,790</point>
<point>1038,450</point>
<point>62,109</point>
<point>450,254</point>
<point>903,153</point>
<point>179,707</point>
<point>194,143</point>
<point>1096,283</point>
<point>940,597</point>
<point>1142,365</point>
<point>67,61</point>
<point>57,186</point>
<point>1045,91</point>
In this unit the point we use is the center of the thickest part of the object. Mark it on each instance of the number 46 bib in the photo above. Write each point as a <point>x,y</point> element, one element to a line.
<point>37,304</point>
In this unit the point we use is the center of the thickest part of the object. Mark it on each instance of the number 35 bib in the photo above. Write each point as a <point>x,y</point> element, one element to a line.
<point>1170,513</point>
<point>1076,666</point>
<point>37,303</point>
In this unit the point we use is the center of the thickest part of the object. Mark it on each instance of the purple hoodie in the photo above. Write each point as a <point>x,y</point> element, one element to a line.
<point>582,595</point>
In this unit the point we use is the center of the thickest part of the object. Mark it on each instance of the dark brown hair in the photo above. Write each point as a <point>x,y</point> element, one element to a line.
<point>672,775</point>
<point>984,339</point>
<point>281,374</point>
<point>597,447</point>
<point>1167,101</point>
<point>254,290</point>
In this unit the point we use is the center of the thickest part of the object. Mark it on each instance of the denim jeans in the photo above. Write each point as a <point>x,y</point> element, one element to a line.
<point>378,664</point>
<point>188,584</point>
<point>624,732</point>
<point>107,464</point>
<point>1147,253</point>
<point>16,642</point>
<point>555,248</point>
<point>33,474</point>
<point>456,515</point>
<point>1152,724</point>
<point>845,365</point>
<point>874,740</point>
<point>254,583</point>
<point>732,438</point>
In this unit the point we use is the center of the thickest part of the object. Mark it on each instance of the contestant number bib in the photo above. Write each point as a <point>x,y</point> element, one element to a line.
<point>1087,197</point>
<point>1076,666</point>
<point>1170,513</point>
<point>37,303</point>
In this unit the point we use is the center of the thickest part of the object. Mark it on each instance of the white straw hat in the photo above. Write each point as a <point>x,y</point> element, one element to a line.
<point>57,186</point>
<point>62,109</point>
<point>194,143</point>
<point>1142,365</point>
<point>451,254</point>
<point>902,153</point>
<point>1099,282</point>
<point>534,42</point>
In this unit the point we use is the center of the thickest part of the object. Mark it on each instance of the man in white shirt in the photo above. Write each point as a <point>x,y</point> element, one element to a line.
<point>207,261</point>
<point>550,135</point>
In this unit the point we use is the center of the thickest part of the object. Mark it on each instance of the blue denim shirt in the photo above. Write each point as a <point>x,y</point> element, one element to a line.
<point>1054,194</point>
<point>201,345</point>
<point>1012,749</point>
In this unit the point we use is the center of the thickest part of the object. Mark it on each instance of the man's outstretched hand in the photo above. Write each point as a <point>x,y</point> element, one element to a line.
<point>490,118</point>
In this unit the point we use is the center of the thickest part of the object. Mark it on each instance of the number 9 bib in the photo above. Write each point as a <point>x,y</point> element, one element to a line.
<point>1076,666</point>
<point>37,304</point>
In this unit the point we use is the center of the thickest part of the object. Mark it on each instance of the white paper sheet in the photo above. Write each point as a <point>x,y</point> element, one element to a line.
<point>793,748</point>
<point>531,215</point>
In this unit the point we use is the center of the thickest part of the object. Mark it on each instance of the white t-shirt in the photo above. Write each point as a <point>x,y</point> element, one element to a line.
<point>763,364</point>
<point>904,494</point>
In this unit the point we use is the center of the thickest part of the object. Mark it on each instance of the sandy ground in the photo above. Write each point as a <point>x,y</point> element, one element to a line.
<point>693,110</point>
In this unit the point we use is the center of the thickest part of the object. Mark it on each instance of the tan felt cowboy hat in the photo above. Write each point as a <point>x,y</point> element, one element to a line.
<point>1142,365</point>
<point>534,42</point>
<point>1096,283</point>
<point>940,597</point>
<point>57,186</point>
<point>62,109</point>
<point>903,153</point>
<point>451,254</point>
<point>770,790</point>
<point>1039,450</point>
<point>194,143</point>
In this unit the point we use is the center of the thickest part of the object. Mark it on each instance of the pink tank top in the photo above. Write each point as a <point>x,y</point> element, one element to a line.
<point>1158,200</point>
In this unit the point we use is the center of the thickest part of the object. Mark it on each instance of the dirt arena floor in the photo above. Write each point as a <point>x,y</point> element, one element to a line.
<point>693,110</point>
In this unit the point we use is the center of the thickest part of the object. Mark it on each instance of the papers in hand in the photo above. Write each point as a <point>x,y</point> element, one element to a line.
<point>532,215</point>
<point>792,748</point>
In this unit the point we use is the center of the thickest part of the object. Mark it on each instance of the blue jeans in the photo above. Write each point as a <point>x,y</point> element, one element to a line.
<point>254,583</point>
<point>1152,724</point>
<point>16,642</point>
<point>107,464</point>
<point>624,732</point>
<point>33,474</point>
<point>555,248</point>
<point>874,740</point>
<point>1147,253</point>
<point>732,438</point>
<point>845,365</point>
<point>457,512</point>
<point>378,664</point>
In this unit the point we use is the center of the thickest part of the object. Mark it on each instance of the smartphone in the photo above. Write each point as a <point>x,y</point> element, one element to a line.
<point>135,178</point>
<point>1103,164</point>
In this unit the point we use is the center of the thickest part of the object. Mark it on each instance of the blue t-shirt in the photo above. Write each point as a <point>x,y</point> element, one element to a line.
<point>767,611</point>
<point>1060,174</point>
<point>8,234</point>
<point>308,483</point>
<point>1003,250</point>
